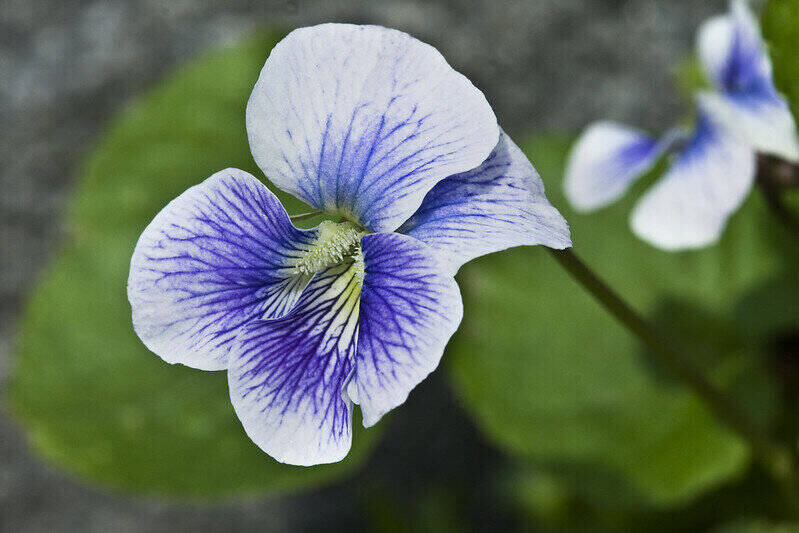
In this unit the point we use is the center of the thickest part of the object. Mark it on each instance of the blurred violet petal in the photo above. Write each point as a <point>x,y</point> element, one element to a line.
<point>733,53</point>
<point>765,123</point>
<point>607,159</point>
<point>708,180</point>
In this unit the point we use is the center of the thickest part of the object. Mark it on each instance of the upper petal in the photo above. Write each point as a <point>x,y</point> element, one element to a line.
<point>731,50</point>
<point>606,160</point>
<point>689,206</point>
<point>733,53</point>
<point>287,376</point>
<point>496,206</point>
<point>362,121</point>
<point>409,310</point>
<point>215,258</point>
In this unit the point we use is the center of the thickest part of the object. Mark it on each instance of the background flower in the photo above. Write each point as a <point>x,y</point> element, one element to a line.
<point>715,168</point>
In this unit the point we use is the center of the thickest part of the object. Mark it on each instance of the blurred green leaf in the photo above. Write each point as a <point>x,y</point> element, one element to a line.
<point>543,498</point>
<point>551,377</point>
<point>759,526</point>
<point>781,30</point>
<point>91,396</point>
<point>689,77</point>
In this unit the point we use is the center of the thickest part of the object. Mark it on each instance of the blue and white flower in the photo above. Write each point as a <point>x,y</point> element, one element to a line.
<point>714,168</point>
<point>372,126</point>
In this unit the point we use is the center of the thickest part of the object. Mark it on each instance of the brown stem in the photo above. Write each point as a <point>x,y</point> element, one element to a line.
<point>775,175</point>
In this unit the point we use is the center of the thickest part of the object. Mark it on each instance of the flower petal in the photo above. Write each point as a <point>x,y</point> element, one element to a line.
<point>606,160</point>
<point>731,50</point>
<point>215,258</point>
<point>287,376</point>
<point>362,121</point>
<point>689,206</point>
<point>733,53</point>
<point>496,206</point>
<point>764,122</point>
<point>409,310</point>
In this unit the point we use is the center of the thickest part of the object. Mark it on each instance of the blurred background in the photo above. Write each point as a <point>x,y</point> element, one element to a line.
<point>548,67</point>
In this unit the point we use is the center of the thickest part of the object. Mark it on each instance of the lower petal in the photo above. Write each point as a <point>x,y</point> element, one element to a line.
<point>409,310</point>
<point>689,206</point>
<point>287,376</point>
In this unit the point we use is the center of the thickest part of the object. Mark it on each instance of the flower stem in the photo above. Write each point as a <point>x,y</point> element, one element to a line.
<point>304,216</point>
<point>774,457</point>
<point>773,176</point>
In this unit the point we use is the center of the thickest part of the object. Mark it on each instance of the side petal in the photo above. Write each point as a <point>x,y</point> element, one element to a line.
<point>764,121</point>
<point>287,376</point>
<point>732,52</point>
<point>498,205</point>
<point>215,258</point>
<point>607,159</point>
<point>689,206</point>
<point>409,310</point>
<point>362,121</point>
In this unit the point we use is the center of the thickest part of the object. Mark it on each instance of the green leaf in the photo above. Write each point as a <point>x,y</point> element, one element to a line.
<point>91,396</point>
<point>781,30</point>
<point>759,526</point>
<point>689,77</point>
<point>554,379</point>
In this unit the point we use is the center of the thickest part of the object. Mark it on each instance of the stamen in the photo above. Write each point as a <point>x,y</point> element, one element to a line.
<point>336,241</point>
<point>359,264</point>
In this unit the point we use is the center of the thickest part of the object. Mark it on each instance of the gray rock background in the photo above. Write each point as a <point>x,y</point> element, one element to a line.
<point>66,67</point>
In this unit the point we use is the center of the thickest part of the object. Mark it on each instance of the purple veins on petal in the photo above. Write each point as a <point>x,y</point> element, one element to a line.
<point>495,206</point>
<point>361,121</point>
<point>368,330</point>
<point>287,375</point>
<point>410,307</point>
<point>217,257</point>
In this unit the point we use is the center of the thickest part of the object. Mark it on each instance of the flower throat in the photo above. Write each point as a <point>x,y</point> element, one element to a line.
<point>337,242</point>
